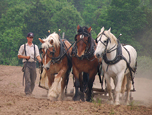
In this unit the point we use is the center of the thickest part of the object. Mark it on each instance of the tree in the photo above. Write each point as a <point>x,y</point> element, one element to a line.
<point>3,7</point>
<point>36,20</point>
<point>67,20</point>
<point>9,45</point>
<point>126,17</point>
<point>11,36</point>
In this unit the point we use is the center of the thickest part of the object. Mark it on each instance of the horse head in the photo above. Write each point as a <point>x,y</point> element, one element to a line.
<point>105,41</point>
<point>83,39</point>
<point>50,49</point>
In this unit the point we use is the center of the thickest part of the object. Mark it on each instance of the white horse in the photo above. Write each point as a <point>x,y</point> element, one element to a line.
<point>119,63</point>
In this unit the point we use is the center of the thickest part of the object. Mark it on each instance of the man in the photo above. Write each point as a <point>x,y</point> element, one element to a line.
<point>29,52</point>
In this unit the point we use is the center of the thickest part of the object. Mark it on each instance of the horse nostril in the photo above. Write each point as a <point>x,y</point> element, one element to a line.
<point>98,55</point>
<point>47,68</point>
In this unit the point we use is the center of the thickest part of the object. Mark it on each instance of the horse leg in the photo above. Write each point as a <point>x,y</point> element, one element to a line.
<point>85,81</point>
<point>76,84</point>
<point>50,80</point>
<point>63,84</point>
<point>128,88</point>
<point>109,89</point>
<point>53,91</point>
<point>123,87</point>
<point>90,84</point>
<point>119,79</point>
<point>81,86</point>
<point>115,82</point>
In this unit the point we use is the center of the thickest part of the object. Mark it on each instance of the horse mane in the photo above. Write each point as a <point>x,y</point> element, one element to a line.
<point>111,36</point>
<point>56,42</point>
<point>84,30</point>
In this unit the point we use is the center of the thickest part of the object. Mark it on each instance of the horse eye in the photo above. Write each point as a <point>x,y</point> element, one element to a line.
<point>105,41</point>
<point>52,52</point>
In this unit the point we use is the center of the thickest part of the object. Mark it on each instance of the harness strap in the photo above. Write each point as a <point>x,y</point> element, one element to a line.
<point>119,57</point>
<point>25,50</point>
<point>34,51</point>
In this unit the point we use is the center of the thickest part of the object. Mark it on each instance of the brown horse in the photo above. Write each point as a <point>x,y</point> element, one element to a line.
<point>56,62</point>
<point>83,60</point>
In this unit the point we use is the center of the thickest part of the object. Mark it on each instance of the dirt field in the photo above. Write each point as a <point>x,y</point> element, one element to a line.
<point>14,102</point>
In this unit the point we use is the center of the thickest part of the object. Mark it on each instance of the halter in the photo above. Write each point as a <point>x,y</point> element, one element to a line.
<point>61,55</point>
<point>106,44</point>
<point>88,53</point>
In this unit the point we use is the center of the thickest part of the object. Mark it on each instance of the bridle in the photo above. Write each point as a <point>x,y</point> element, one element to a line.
<point>51,52</point>
<point>88,53</point>
<point>105,43</point>
<point>82,36</point>
<point>63,52</point>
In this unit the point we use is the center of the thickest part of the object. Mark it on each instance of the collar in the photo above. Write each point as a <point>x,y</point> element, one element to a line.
<point>31,45</point>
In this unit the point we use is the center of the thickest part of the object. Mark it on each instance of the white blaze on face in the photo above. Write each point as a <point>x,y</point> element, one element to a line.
<point>81,36</point>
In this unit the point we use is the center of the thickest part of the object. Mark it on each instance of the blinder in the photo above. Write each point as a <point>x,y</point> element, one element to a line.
<point>85,35</point>
<point>83,31</point>
<point>75,38</point>
<point>40,50</point>
<point>108,40</point>
<point>96,40</point>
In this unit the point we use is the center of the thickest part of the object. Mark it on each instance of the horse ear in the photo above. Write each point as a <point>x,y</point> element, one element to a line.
<point>109,29</point>
<point>78,27</point>
<point>41,40</point>
<point>51,42</point>
<point>89,29</point>
<point>102,29</point>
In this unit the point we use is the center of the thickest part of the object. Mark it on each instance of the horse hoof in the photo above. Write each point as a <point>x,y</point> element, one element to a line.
<point>88,99</point>
<point>127,103</point>
<point>76,98</point>
<point>110,102</point>
<point>61,98</point>
<point>52,98</point>
<point>71,91</point>
<point>116,103</point>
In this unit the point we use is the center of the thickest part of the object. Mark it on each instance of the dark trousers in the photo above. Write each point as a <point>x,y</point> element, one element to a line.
<point>30,77</point>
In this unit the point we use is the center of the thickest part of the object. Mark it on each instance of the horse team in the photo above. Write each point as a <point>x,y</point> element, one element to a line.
<point>83,59</point>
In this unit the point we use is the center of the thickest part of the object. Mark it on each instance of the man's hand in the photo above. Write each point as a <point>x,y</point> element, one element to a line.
<point>39,58</point>
<point>27,57</point>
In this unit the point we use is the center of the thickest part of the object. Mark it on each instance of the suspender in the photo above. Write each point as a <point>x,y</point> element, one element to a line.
<point>25,51</point>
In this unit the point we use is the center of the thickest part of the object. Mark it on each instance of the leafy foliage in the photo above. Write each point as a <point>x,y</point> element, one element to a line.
<point>17,18</point>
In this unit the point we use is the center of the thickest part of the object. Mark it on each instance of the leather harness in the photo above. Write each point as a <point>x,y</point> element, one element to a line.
<point>89,51</point>
<point>118,57</point>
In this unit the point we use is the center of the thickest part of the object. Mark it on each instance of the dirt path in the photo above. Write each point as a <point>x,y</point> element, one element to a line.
<point>14,102</point>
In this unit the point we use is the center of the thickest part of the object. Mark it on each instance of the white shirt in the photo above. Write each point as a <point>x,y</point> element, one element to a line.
<point>29,52</point>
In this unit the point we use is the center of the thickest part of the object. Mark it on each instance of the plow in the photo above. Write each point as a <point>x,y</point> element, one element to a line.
<point>96,91</point>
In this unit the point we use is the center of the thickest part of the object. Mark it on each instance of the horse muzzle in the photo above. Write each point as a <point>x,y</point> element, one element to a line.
<point>98,55</point>
<point>47,66</point>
